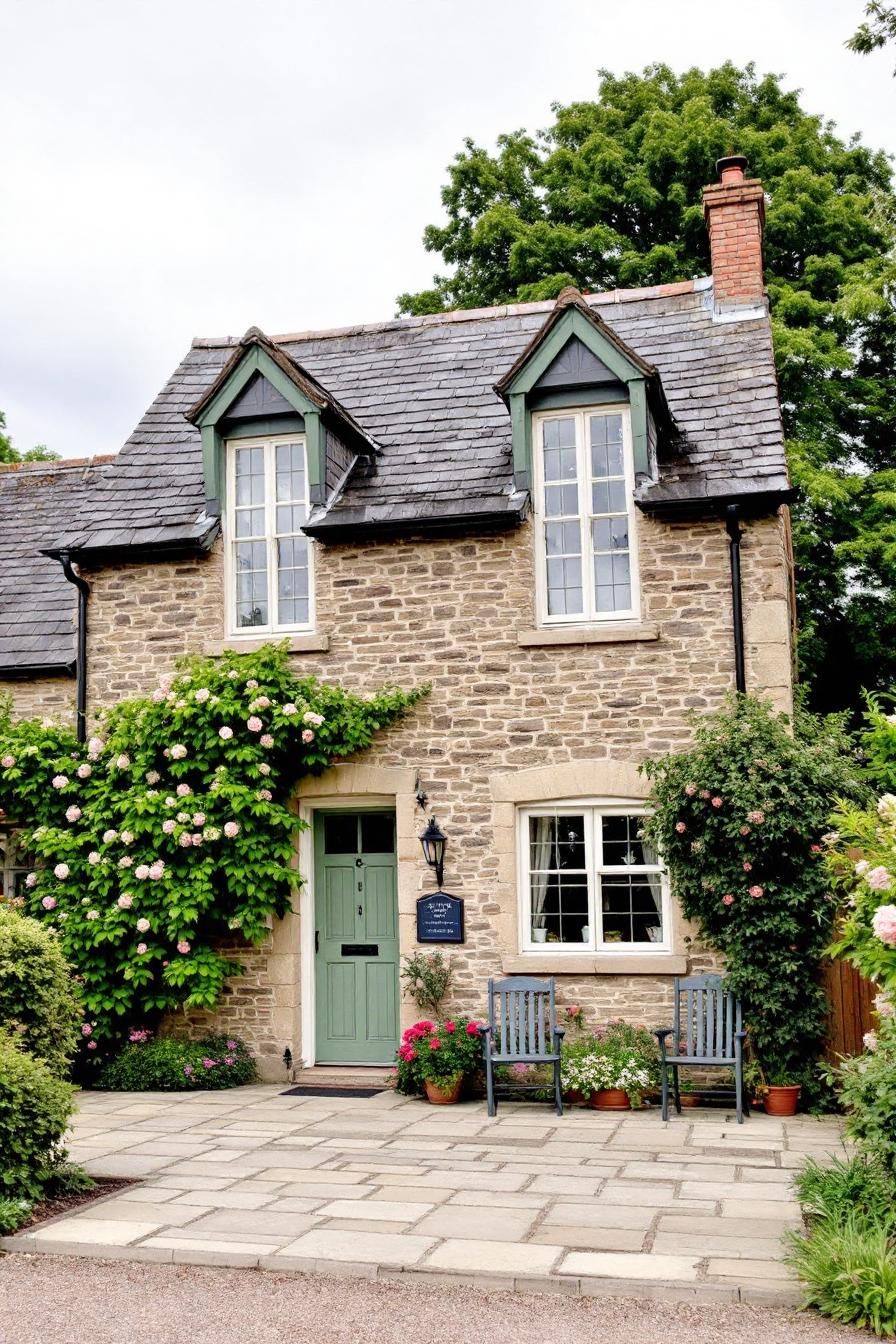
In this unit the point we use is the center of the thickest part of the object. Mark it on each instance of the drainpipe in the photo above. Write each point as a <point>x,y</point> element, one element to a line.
<point>733,528</point>
<point>83,588</point>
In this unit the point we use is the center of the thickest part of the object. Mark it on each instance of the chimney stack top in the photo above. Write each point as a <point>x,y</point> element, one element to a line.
<point>732,168</point>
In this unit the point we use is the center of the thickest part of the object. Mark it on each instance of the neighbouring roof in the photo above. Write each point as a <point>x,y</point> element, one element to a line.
<point>37,604</point>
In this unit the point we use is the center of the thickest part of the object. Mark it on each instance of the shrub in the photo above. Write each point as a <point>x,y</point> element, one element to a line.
<point>739,820</point>
<point>867,1090</point>
<point>849,1187</point>
<point>13,1213</point>
<point>849,1270</point>
<point>35,1110</point>
<point>37,996</point>
<point>172,1065</point>
<point>427,977</point>
<point>437,1053</point>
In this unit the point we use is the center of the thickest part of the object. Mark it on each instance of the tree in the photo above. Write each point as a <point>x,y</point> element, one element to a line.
<point>610,195</point>
<point>881,29</point>
<point>9,452</point>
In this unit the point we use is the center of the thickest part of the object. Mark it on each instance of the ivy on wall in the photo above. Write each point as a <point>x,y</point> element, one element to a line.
<point>172,828</point>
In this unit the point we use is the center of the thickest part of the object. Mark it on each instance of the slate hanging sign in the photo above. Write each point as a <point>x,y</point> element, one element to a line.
<point>440,918</point>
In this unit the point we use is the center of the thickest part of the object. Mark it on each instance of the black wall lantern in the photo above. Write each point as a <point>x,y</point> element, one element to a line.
<point>433,842</point>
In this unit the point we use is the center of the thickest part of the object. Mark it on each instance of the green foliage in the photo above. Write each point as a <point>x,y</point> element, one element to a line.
<point>427,977</point>
<point>862,863</point>
<point>437,1053</point>
<point>739,820</point>
<point>38,1002</point>
<point>611,195</point>
<point>13,1213</point>
<point>866,1086</point>
<point>172,1065</point>
<point>619,1055</point>
<point>9,453</point>
<point>878,29</point>
<point>173,829</point>
<point>35,1110</point>
<point>849,1271</point>
<point>847,1187</point>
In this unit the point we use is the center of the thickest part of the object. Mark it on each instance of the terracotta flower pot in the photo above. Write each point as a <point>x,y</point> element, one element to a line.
<point>573,1097</point>
<point>782,1100</point>
<point>444,1096</point>
<point>690,1098</point>
<point>610,1099</point>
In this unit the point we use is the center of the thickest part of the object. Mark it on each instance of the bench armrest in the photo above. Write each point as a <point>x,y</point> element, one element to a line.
<point>559,1033</point>
<point>662,1032</point>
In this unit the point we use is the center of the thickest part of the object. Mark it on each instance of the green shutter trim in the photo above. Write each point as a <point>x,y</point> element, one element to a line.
<point>257,360</point>
<point>573,323</point>
<point>266,426</point>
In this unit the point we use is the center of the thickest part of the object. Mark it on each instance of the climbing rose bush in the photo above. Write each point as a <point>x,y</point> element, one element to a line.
<point>862,861</point>
<point>740,821</point>
<point>171,828</point>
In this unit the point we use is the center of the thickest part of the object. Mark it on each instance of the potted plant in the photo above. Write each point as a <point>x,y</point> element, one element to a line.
<point>687,1092</point>
<point>781,1097</point>
<point>613,1067</point>
<point>434,1058</point>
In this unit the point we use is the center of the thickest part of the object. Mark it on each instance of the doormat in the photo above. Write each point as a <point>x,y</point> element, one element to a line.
<point>333,1091</point>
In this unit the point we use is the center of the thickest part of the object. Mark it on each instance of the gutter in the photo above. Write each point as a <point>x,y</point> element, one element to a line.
<point>735,532</point>
<point>83,588</point>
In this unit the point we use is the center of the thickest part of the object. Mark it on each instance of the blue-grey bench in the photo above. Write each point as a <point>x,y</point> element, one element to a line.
<point>522,1029</point>
<point>707,1032</point>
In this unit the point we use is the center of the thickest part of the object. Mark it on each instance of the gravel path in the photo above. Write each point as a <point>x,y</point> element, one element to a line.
<point>83,1301</point>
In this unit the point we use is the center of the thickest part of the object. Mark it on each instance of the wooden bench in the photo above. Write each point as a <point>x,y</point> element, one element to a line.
<point>707,1032</point>
<point>522,1029</point>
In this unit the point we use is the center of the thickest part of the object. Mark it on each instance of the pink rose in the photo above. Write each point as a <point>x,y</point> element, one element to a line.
<point>141,871</point>
<point>178,751</point>
<point>92,914</point>
<point>31,880</point>
<point>225,733</point>
<point>231,829</point>
<point>884,924</point>
<point>201,695</point>
<point>879,879</point>
<point>289,709</point>
<point>49,903</point>
<point>717,802</point>
<point>94,857</point>
<point>198,818</point>
<point>183,790</point>
<point>184,841</point>
<point>264,768</point>
<point>690,789</point>
<point>748,867</point>
<point>73,813</point>
<point>728,899</point>
<point>8,761</point>
<point>86,1029</point>
<point>84,771</point>
<point>109,836</point>
<point>680,827</point>
<point>254,724</point>
<point>123,761</point>
<point>142,949</point>
<point>156,870</point>
<point>251,684</point>
<point>168,825</point>
<point>231,1045</point>
<point>125,901</point>
<point>142,925</point>
<point>307,735</point>
<point>196,838</point>
<point>266,740</point>
<point>745,830</point>
<point>315,720</point>
<point>264,795</point>
<point>183,947</point>
<point>757,818</point>
<point>91,1045</point>
<point>60,781</point>
<point>757,891</point>
<point>61,871</point>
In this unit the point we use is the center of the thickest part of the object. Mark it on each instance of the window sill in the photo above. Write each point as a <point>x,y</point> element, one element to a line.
<point>595,963</point>
<point>611,633</point>
<point>310,643</point>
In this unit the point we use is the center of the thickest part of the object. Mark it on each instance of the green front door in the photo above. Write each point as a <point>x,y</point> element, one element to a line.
<point>356,937</point>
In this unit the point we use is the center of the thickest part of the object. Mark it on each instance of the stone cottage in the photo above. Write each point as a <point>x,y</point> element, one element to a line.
<point>570,518</point>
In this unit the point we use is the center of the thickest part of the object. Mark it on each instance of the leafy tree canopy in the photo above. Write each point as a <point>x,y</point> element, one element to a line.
<point>878,29</point>
<point>9,452</point>
<point>610,194</point>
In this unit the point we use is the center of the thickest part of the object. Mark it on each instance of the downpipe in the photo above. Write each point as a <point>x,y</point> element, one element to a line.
<point>83,588</point>
<point>735,532</point>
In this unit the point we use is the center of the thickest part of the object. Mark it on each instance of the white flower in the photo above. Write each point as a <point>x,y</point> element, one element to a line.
<point>123,761</point>
<point>264,795</point>
<point>289,709</point>
<point>141,871</point>
<point>862,867</point>
<point>125,862</point>
<point>198,818</point>
<point>125,901</point>
<point>158,695</point>
<point>94,747</point>
<point>307,735</point>
<point>170,802</point>
<point>152,776</point>
<point>886,807</point>
<point>94,858</point>
<point>266,740</point>
<point>184,840</point>
<point>169,825</point>
<point>261,702</point>
<point>127,838</point>
<point>264,768</point>
<point>60,781</point>
<point>8,761</point>
<point>314,719</point>
<point>183,790</point>
<point>92,914</point>
<point>225,733</point>
<point>157,870</point>
<point>251,684</point>
<point>211,833</point>
<point>183,818</point>
<point>231,829</point>
<point>61,871</point>
<point>109,836</point>
<point>73,813</point>
<point>201,695</point>
<point>84,771</point>
<point>254,724</point>
<point>196,839</point>
<point>31,880</point>
<point>178,751</point>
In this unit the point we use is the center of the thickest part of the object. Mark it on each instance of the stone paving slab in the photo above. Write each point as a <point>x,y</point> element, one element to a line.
<point>586,1203</point>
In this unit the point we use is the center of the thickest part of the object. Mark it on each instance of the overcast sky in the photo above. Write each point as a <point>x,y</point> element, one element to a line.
<point>173,168</point>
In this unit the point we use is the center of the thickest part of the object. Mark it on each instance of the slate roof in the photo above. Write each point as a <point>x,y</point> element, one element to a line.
<point>423,390</point>
<point>37,604</point>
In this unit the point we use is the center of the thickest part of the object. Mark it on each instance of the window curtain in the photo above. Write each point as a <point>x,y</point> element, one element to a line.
<point>541,859</point>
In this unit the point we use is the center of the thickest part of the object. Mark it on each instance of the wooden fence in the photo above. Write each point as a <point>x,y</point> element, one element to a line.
<point>850,997</point>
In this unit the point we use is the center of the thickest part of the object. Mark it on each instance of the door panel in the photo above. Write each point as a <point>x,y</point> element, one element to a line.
<point>356,923</point>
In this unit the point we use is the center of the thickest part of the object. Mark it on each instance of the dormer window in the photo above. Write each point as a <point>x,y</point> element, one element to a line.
<point>584,516</point>
<point>269,559</point>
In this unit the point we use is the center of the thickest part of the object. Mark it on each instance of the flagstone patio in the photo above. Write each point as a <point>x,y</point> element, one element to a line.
<point>590,1203</point>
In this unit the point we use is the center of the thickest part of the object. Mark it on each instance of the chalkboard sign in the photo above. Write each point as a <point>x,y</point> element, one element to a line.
<point>440,918</point>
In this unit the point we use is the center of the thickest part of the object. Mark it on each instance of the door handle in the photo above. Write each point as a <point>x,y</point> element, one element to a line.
<point>360,909</point>
<point>317,940</point>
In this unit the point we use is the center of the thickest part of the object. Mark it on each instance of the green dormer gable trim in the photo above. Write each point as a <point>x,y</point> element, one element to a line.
<point>313,410</point>
<point>616,373</point>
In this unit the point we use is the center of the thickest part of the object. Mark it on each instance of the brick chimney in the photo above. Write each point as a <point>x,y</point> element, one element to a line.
<point>734,210</point>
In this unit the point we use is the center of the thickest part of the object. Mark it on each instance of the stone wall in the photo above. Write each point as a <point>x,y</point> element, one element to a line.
<point>47,697</point>
<point>458,613</point>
